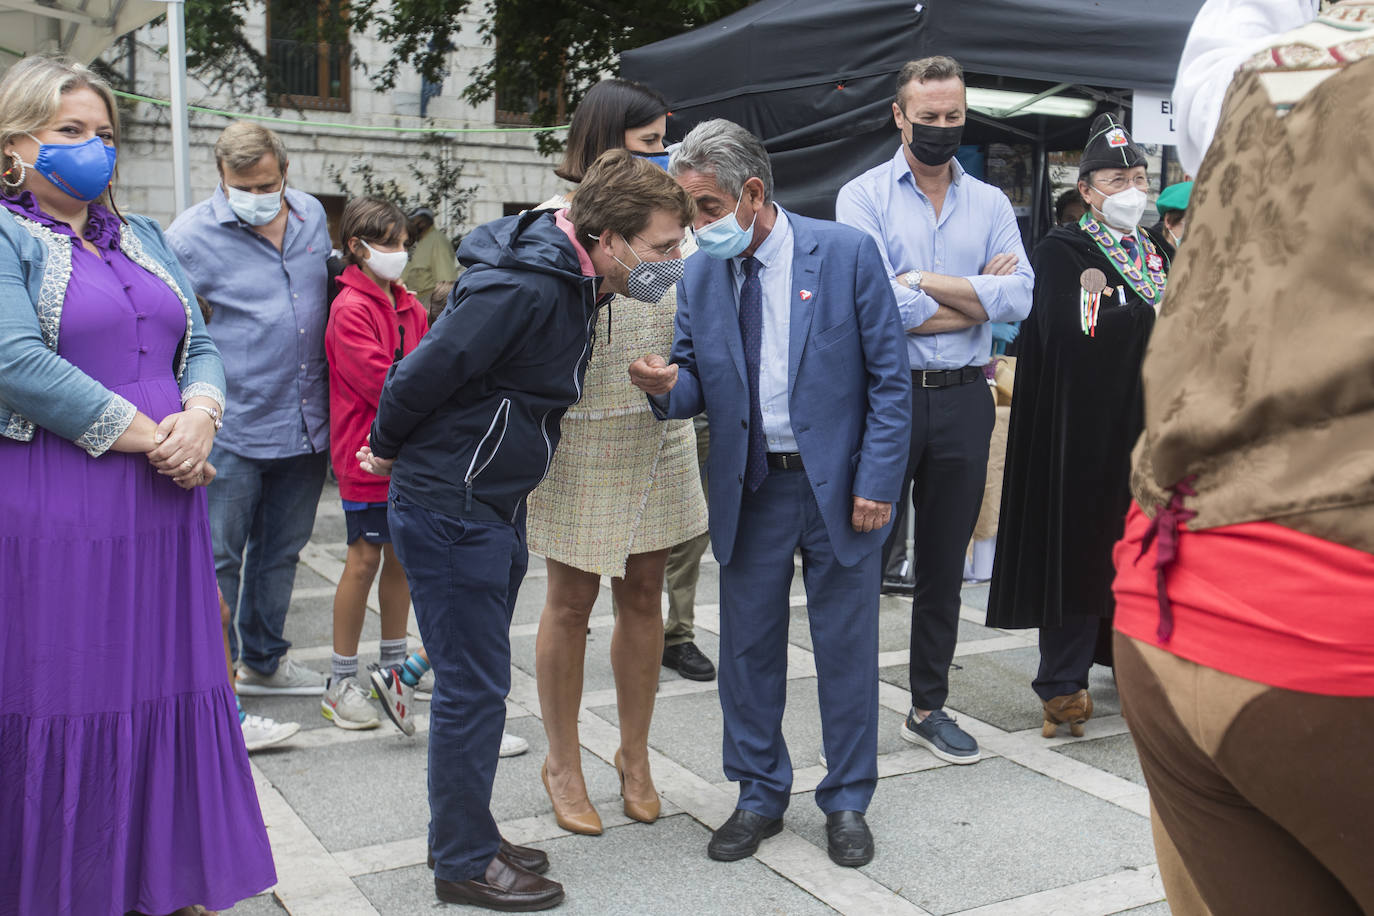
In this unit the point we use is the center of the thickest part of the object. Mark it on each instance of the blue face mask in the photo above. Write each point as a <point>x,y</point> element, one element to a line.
<point>658,159</point>
<point>82,170</point>
<point>724,238</point>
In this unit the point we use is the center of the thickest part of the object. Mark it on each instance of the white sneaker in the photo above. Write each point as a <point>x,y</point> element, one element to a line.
<point>396,697</point>
<point>821,757</point>
<point>346,705</point>
<point>260,732</point>
<point>290,679</point>
<point>513,745</point>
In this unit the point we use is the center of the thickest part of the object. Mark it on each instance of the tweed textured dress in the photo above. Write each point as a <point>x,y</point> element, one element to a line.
<point>621,481</point>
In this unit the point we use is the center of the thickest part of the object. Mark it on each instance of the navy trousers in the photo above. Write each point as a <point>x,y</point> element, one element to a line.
<point>950,431</point>
<point>842,604</point>
<point>464,575</point>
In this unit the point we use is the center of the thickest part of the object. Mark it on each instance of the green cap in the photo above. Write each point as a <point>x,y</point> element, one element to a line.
<point>1174,197</point>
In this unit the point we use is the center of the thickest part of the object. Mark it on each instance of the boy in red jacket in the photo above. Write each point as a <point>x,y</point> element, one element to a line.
<point>374,322</point>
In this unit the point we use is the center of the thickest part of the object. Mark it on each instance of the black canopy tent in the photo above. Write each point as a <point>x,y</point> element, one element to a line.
<point>814,78</point>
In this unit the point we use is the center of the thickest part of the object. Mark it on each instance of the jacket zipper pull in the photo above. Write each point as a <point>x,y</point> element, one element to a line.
<point>467,503</point>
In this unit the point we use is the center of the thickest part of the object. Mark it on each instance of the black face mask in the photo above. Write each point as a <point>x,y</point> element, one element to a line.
<point>935,145</point>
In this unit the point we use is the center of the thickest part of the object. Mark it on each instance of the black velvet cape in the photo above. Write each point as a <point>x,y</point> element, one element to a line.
<point>1076,413</point>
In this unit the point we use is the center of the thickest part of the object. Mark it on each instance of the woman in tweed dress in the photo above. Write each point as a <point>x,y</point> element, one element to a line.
<point>623,488</point>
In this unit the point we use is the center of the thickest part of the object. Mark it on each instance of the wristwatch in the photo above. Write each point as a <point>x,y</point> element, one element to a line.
<point>912,279</point>
<point>213,412</point>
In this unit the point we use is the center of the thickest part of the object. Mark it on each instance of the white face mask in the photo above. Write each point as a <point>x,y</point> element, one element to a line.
<point>389,265</point>
<point>254,209</point>
<point>1123,210</point>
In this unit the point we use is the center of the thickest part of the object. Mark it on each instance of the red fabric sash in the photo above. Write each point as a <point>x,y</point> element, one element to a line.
<point>1256,600</point>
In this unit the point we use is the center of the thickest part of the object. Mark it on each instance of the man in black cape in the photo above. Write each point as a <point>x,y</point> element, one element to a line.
<point>1076,413</point>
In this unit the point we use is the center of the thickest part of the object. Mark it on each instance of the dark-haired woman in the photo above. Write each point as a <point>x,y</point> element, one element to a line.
<point>124,783</point>
<point>622,490</point>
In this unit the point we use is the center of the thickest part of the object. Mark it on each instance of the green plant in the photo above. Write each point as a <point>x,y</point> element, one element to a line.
<point>435,176</point>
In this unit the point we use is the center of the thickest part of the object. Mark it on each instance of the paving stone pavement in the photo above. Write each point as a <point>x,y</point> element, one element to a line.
<point>1038,828</point>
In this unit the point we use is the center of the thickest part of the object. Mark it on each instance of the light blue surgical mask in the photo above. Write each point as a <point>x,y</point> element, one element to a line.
<point>255,209</point>
<point>724,239</point>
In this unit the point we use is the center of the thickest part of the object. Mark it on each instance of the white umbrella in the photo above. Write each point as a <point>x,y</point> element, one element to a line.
<point>83,29</point>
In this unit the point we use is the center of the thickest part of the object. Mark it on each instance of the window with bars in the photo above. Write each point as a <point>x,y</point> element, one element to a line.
<point>309,53</point>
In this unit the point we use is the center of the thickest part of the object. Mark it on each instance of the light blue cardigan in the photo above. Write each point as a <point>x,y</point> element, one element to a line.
<point>40,388</point>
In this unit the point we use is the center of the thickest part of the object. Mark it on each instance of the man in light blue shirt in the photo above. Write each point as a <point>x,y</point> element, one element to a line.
<point>256,251</point>
<point>953,254</point>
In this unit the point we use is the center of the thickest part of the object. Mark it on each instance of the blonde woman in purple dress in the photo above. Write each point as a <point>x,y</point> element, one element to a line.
<point>124,783</point>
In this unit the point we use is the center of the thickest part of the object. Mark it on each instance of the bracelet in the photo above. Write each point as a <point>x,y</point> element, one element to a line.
<point>212,411</point>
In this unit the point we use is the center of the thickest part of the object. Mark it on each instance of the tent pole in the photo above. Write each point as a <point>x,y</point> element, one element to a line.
<point>1040,187</point>
<point>181,150</point>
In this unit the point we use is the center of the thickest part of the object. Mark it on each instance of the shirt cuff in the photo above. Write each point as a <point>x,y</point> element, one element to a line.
<point>994,299</point>
<point>914,306</point>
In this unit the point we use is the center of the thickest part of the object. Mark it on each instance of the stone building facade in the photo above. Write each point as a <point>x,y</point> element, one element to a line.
<point>504,168</point>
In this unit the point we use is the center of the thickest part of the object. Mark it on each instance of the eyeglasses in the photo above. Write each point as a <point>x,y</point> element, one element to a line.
<point>669,250</point>
<point>1120,182</point>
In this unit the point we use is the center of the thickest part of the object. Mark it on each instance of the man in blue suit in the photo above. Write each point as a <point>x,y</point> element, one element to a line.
<point>788,336</point>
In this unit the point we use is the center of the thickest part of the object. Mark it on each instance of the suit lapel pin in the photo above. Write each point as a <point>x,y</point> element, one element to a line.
<point>805,294</point>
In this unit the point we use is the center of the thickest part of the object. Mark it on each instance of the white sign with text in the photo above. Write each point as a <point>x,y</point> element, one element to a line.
<point>1152,118</point>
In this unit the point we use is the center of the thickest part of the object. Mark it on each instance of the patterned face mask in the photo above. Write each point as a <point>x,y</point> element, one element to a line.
<point>649,281</point>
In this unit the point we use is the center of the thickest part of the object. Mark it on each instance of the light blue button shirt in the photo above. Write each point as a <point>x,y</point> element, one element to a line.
<point>270,309</point>
<point>775,278</point>
<point>975,224</point>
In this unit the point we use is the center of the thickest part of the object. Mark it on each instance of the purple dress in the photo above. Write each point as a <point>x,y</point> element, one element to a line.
<point>124,783</point>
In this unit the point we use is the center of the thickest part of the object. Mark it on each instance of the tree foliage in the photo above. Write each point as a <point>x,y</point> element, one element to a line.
<point>547,68</point>
<point>547,53</point>
<point>434,183</point>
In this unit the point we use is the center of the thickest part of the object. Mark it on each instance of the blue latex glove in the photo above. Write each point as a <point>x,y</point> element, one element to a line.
<point>1005,331</point>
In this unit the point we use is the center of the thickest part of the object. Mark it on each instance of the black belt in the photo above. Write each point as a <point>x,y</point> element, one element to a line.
<point>785,461</point>
<point>946,378</point>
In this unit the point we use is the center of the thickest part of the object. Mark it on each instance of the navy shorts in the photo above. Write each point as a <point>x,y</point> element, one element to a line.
<point>368,523</point>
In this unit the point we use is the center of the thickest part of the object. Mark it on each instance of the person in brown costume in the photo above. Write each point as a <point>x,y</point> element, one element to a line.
<point>1245,578</point>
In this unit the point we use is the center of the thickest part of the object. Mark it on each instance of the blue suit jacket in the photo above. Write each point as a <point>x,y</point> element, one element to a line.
<point>849,383</point>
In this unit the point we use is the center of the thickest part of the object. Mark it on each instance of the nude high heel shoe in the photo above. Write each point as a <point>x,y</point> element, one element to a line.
<point>587,823</point>
<point>1072,709</point>
<point>644,812</point>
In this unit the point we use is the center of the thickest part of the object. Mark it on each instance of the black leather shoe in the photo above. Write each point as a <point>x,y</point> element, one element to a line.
<point>848,839</point>
<point>527,857</point>
<point>686,659</point>
<point>739,837</point>
<point>504,887</point>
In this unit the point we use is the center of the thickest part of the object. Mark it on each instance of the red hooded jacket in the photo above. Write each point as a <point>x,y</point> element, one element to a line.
<point>360,342</point>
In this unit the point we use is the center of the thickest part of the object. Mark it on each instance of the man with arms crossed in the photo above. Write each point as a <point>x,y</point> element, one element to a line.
<point>953,254</point>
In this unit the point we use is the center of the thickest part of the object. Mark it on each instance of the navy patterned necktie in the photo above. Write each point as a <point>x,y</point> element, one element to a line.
<point>751,332</point>
<point>1132,247</point>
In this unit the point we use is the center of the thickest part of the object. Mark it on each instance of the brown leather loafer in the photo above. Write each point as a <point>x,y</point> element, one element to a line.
<point>527,857</point>
<point>504,887</point>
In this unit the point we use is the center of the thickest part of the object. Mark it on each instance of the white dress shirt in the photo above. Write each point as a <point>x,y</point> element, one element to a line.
<point>1224,35</point>
<point>775,278</point>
